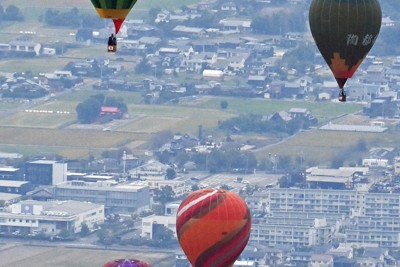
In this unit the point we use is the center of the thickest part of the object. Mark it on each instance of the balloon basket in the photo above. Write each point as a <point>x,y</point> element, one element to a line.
<point>112,48</point>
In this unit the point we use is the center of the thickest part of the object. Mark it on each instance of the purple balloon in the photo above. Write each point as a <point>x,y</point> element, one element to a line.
<point>126,263</point>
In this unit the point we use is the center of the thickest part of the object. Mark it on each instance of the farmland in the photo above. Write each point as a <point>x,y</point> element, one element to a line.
<point>33,132</point>
<point>68,257</point>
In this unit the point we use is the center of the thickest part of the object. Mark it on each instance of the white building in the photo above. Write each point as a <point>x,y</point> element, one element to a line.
<point>50,218</point>
<point>126,198</point>
<point>168,220</point>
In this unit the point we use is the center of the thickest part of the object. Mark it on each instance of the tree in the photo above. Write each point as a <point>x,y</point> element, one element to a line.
<point>224,104</point>
<point>13,13</point>
<point>171,174</point>
<point>162,234</point>
<point>116,102</point>
<point>195,187</point>
<point>143,67</point>
<point>105,236</point>
<point>88,111</point>
<point>164,195</point>
<point>84,229</point>
<point>161,138</point>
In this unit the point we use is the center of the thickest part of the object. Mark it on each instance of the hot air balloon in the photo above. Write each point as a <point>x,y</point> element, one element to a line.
<point>344,32</point>
<point>126,263</point>
<point>213,227</point>
<point>117,10</point>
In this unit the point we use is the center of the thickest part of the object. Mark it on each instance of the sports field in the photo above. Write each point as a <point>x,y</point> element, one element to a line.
<point>34,256</point>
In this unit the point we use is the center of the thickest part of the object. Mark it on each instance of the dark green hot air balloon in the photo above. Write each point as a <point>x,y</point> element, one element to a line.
<point>344,31</point>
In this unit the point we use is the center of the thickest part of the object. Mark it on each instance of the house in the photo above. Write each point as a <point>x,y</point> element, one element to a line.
<point>387,22</point>
<point>257,80</point>
<point>25,47</point>
<point>357,92</point>
<point>142,30</point>
<point>299,112</point>
<point>149,41</point>
<point>229,7</point>
<point>197,62</point>
<point>189,31</point>
<point>237,25</point>
<point>280,117</point>
<point>110,112</point>
<point>292,91</point>
<point>321,260</point>
<point>237,63</point>
<point>204,46</point>
<point>168,51</point>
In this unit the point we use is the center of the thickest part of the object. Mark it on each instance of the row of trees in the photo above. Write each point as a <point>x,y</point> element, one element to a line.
<point>257,123</point>
<point>71,18</point>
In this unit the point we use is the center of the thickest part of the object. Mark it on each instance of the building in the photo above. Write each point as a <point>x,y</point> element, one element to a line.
<point>396,166</point>
<point>297,234</point>
<point>14,187</point>
<point>46,172</point>
<point>125,198</point>
<point>50,218</point>
<point>11,173</point>
<point>321,260</point>
<point>373,217</point>
<point>333,178</point>
<point>168,220</point>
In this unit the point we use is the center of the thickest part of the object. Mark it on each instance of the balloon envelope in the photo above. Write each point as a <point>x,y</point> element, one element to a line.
<point>114,9</point>
<point>126,263</point>
<point>344,32</point>
<point>213,227</point>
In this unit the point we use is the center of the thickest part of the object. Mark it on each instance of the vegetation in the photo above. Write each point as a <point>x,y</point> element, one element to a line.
<point>89,110</point>
<point>289,20</point>
<point>12,13</point>
<point>72,18</point>
<point>259,124</point>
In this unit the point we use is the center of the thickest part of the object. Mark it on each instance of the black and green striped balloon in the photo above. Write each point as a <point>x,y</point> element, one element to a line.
<point>117,10</point>
<point>344,32</point>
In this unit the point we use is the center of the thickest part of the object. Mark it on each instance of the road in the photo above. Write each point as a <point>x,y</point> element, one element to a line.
<point>82,244</point>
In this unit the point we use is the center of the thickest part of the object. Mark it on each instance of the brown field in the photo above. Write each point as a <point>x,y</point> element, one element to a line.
<point>33,256</point>
<point>67,143</point>
<point>319,147</point>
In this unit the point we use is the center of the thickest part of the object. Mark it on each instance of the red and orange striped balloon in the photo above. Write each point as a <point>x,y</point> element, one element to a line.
<point>213,227</point>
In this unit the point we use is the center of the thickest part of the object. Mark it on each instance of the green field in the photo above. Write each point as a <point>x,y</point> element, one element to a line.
<point>33,256</point>
<point>322,111</point>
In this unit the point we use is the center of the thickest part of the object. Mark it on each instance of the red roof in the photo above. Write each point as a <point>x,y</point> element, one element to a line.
<point>110,110</point>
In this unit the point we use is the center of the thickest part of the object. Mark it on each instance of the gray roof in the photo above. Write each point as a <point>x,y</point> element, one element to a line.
<point>69,207</point>
<point>8,197</point>
<point>10,183</point>
<point>181,28</point>
<point>353,128</point>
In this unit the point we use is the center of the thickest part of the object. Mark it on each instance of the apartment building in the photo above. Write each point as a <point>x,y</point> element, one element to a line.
<point>125,198</point>
<point>369,218</point>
